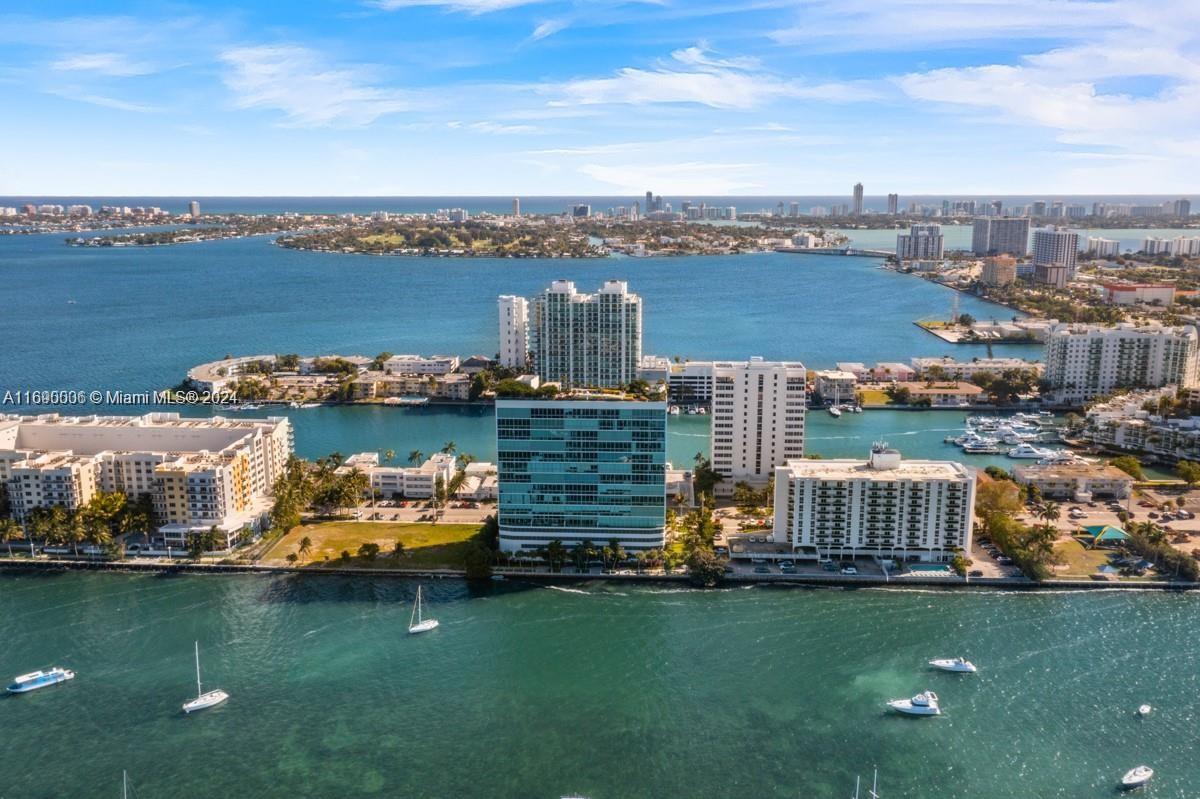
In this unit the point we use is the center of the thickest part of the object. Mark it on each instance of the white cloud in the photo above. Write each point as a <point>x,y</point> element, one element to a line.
<point>694,76</point>
<point>548,28</point>
<point>468,6</point>
<point>689,177</point>
<point>309,92</point>
<point>110,64</point>
<point>874,25</point>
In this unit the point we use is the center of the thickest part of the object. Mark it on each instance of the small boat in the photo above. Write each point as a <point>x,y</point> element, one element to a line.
<point>250,406</point>
<point>416,624</point>
<point>40,679</point>
<point>923,704</point>
<point>203,701</point>
<point>1030,451</point>
<point>857,409</point>
<point>1144,710</point>
<point>674,410</point>
<point>834,411</point>
<point>958,665</point>
<point>307,405</point>
<point>981,448</point>
<point>498,578</point>
<point>1137,777</point>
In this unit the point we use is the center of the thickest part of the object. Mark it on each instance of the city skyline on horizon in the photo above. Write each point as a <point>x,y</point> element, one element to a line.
<point>567,97</point>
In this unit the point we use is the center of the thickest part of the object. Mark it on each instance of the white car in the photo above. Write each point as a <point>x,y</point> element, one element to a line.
<point>849,570</point>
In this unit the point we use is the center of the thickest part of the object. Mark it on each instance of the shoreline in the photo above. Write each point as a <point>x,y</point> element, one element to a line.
<point>786,581</point>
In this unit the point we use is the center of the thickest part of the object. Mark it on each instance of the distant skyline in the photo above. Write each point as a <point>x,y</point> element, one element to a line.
<point>601,97</point>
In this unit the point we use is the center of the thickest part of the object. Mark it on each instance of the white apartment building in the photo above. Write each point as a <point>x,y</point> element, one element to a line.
<point>1105,248</point>
<point>882,507</point>
<point>200,473</point>
<point>757,419</point>
<point>833,385</point>
<point>920,243</point>
<point>1181,245</point>
<point>417,365</point>
<point>1088,361</point>
<point>967,370</point>
<point>586,340</point>
<point>514,331</point>
<point>410,482</point>
<point>690,383</point>
<point>1054,254</point>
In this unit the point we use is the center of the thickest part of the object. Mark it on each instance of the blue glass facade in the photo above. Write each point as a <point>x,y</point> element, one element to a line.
<point>577,470</point>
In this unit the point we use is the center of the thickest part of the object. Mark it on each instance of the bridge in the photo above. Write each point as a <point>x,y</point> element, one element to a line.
<point>851,251</point>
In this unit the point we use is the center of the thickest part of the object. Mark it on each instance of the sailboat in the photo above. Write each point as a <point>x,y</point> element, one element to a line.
<point>203,701</point>
<point>416,624</point>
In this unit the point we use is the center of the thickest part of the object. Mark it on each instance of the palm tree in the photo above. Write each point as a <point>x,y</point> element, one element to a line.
<point>449,447</point>
<point>415,457</point>
<point>465,459</point>
<point>305,546</point>
<point>555,553</point>
<point>389,455</point>
<point>397,550</point>
<point>1050,513</point>
<point>10,530</point>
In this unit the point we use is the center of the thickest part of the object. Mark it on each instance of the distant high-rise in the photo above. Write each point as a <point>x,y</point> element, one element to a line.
<point>516,206</point>
<point>990,236</point>
<point>194,209</point>
<point>581,210</point>
<point>514,332</point>
<point>586,339</point>
<point>858,199</point>
<point>649,202</point>
<point>920,243</point>
<point>1039,208</point>
<point>1182,207</point>
<point>893,204</point>
<point>1054,254</point>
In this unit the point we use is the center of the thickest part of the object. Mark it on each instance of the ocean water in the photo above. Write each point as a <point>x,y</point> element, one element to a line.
<point>613,692</point>
<point>137,318</point>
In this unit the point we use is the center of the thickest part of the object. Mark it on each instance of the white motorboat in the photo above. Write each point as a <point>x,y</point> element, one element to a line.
<point>1137,777</point>
<point>203,701</point>
<point>923,704</point>
<point>417,624</point>
<point>34,680</point>
<point>674,410</point>
<point>1029,451</point>
<point>954,664</point>
<point>981,448</point>
<point>1144,710</point>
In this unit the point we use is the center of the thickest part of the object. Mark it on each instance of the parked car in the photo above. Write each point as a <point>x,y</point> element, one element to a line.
<point>975,573</point>
<point>849,570</point>
<point>829,566</point>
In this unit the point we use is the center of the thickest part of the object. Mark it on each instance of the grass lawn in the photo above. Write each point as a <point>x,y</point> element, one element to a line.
<point>873,396</point>
<point>425,545</point>
<point>1080,561</point>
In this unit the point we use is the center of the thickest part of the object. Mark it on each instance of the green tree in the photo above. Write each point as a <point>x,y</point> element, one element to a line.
<point>477,562</point>
<point>1130,465</point>
<point>556,554</point>
<point>10,530</point>
<point>416,457</point>
<point>368,550</point>
<point>1188,472</point>
<point>705,569</point>
<point>398,550</point>
<point>305,546</point>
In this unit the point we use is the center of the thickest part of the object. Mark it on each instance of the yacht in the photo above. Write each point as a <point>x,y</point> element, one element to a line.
<point>857,409</point>
<point>1137,777</point>
<point>954,664</point>
<point>250,406</point>
<point>923,704</point>
<point>674,410</point>
<point>834,411</point>
<point>981,448</point>
<point>1144,710</point>
<point>203,701</point>
<point>1027,450</point>
<point>40,679</point>
<point>416,624</point>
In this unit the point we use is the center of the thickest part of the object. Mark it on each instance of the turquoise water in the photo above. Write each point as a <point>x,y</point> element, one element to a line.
<point>614,692</point>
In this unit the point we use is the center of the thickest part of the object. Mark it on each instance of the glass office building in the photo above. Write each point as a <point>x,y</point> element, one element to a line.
<point>581,470</point>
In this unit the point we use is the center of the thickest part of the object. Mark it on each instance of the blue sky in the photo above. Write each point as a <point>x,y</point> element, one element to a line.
<point>418,97</point>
